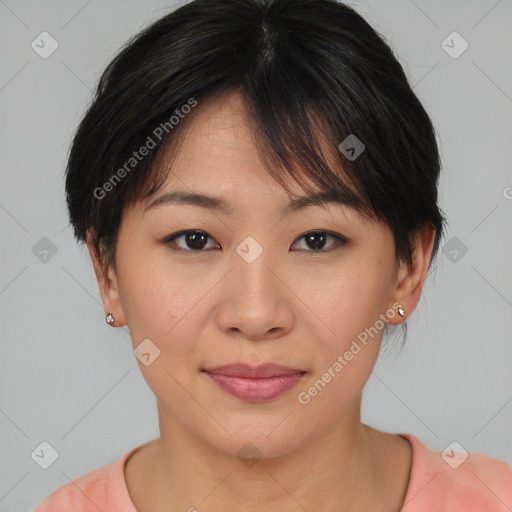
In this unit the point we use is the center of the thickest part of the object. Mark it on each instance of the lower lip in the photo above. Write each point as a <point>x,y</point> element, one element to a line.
<point>256,390</point>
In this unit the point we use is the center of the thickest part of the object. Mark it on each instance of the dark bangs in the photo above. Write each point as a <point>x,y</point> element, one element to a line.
<point>329,104</point>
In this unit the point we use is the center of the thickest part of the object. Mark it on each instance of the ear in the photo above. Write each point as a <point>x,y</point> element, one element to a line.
<point>410,277</point>
<point>107,283</point>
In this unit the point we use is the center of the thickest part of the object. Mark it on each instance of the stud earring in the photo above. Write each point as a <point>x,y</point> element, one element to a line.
<point>401,311</point>
<point>110,319</point>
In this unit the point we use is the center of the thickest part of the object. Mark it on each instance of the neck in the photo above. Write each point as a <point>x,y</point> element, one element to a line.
<point>344,469</point>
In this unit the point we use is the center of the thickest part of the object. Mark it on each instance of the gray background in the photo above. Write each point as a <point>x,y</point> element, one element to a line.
<point>70,380</point>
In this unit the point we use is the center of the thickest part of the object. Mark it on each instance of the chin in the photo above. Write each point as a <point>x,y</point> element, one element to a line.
<point>258,436</point>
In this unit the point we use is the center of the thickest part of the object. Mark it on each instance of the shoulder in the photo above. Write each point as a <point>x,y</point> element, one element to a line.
<point>102,489</point>
<point>455,480</point>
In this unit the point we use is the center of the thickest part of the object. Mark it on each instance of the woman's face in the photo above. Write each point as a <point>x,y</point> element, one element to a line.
<point>253,289</point>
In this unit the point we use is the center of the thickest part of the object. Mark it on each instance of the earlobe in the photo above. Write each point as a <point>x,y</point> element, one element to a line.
<point>411,277</point>
<point>110,319</point>
<point>107,284</point>
<point>391,314</point>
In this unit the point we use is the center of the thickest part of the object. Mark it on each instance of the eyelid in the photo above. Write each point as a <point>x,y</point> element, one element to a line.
<point>340,239</point>
<point>169,239</point>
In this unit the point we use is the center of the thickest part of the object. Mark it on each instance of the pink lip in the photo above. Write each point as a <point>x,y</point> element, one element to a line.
<point>255,384</point>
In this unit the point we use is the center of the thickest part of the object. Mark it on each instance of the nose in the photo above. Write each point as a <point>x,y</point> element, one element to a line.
<point>255,302</point>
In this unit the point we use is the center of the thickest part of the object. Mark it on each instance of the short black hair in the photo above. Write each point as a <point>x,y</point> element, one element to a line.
<point>309,72</point>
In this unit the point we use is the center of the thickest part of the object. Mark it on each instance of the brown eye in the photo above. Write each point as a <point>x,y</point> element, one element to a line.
<point>197,241</point>
<point>191,240</point>
<point>317,240</point>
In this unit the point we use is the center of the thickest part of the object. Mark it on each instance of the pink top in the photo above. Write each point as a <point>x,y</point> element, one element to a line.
<point>480,484</point>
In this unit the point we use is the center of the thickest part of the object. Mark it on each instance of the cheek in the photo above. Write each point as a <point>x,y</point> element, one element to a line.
<point>347,302</point>
<point>348,343</point>
<point>156,298</point>
<point>347,350</point>
<point>156,309</point>
<point>331,392</point>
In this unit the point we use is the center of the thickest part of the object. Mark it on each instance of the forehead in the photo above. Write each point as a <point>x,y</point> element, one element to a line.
<point>218,141</point>
<point>217,152</point>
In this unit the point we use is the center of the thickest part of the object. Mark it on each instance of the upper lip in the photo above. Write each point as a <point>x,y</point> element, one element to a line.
<point>254,372</point>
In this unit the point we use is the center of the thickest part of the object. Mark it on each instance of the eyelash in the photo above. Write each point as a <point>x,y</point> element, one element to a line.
<point>169,240</point>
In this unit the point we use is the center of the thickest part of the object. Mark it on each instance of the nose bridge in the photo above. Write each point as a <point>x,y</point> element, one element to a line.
<point>253,262</point>
<point>256,302</point>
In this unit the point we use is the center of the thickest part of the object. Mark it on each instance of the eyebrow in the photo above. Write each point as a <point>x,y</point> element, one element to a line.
<point>220,205</point>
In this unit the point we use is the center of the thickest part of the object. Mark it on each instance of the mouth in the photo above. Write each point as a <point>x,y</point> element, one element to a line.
<point>255,384</point>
